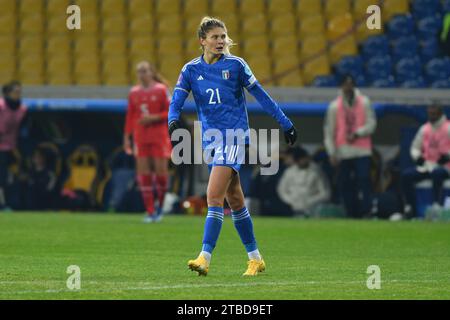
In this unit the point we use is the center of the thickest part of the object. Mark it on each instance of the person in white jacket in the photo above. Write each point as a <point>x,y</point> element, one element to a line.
<point>303,186</point>
<point>430,151</point>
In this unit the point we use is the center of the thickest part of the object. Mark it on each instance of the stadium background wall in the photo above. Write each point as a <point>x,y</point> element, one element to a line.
<point>99,122</point>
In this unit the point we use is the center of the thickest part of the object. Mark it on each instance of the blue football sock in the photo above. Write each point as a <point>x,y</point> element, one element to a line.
<point>244,226</point>
<point>213,224</point>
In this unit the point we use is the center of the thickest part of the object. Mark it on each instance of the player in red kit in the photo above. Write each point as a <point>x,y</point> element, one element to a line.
<point>146,136</point>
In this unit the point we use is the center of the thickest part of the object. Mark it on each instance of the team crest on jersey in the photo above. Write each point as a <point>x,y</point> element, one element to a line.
<point>226,74</point>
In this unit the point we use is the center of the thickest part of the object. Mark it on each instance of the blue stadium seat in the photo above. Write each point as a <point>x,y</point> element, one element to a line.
<point>379,67</point>
<point>384,83</point>
<point>325,81</point>
<point>413,83</point>
<point>441,84</point>
<point>375,46</point>
<point>350,65</point>
<point>404,47</point>
<point>408,69</point>
<point>397,57</point>
<point>425,8</point>
<point>360,80</point>
<point>429,49</point>
<point>429,27</point>
<point>438,69</point>
<point>400,26</point>
<point>445,6</point>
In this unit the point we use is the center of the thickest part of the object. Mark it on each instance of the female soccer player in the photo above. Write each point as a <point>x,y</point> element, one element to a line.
<point>146,125</point>
<point>217,80</point>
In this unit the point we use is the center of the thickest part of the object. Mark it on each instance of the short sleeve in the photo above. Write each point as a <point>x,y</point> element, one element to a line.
<point>183,82</point>
<point>247,78</point>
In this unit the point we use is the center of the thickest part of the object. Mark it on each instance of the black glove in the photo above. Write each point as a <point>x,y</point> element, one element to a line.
<point>290,136</point>
<point>173,125</point>
<point>420,161</point>
<point>444,159</point>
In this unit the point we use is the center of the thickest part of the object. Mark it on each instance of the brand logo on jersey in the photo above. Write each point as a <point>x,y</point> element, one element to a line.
<point>200,78</point>
<point>226,74</point>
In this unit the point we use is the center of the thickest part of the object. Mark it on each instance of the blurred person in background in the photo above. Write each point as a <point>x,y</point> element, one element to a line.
<point>146,136</point>
<point>349,124</point>
<point>42,182</point>
<point>12,112</point>
<point>303,186</point>
<point>430,151</point>
<point>263,189</point>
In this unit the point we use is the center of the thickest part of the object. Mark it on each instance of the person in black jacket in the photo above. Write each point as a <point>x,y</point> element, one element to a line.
<point>42,182</point>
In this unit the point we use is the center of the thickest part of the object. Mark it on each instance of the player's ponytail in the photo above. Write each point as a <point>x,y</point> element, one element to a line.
<point>158,77</point>
<point>209,23</point>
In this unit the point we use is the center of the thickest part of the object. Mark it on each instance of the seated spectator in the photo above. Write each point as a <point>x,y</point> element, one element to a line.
<point>42,182</point>
<point>388,201</point>
<point>121,191</point>
<point>263,194</point>
<point>430,151</point>
<point>303,186</point>
<point>322,159</point>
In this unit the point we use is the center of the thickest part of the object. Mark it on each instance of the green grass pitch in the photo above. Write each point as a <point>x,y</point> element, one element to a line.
<point>121,258</point>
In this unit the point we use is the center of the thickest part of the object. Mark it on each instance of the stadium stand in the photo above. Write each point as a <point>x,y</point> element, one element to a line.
<point>280,7</point>
<point>311,25</point>
<point>335,8</point>
<point>410,29</point>
<point>308,7</point>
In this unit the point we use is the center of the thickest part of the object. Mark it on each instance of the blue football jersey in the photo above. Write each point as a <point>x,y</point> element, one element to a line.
<point>218,91</point>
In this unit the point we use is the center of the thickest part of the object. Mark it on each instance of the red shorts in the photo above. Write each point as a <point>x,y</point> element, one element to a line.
<point>153,150</point>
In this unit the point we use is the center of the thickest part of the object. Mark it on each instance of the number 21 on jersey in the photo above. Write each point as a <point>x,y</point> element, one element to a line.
<point>214,96</point>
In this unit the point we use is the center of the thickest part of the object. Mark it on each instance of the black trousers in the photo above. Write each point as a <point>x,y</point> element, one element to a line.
<point>5,157</point>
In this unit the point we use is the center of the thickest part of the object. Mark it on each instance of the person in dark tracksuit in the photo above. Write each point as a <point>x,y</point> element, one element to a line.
<point>349,124</point>
<point>12,112</point>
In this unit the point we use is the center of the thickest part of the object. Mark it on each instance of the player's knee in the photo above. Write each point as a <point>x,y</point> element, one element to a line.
<point>214,199</point>
<point>235,203</point>
<point>143,168</point>
<point>235,200</point>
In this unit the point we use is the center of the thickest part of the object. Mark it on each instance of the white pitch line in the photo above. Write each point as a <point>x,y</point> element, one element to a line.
<point>191,286</point>
<point>154,288</point>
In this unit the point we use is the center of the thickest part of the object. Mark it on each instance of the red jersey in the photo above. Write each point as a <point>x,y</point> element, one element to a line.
<point>144,101</point>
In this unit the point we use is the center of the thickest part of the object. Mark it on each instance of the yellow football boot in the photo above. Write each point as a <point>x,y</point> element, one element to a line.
<point>200,265</point>
<point>254,267</point>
